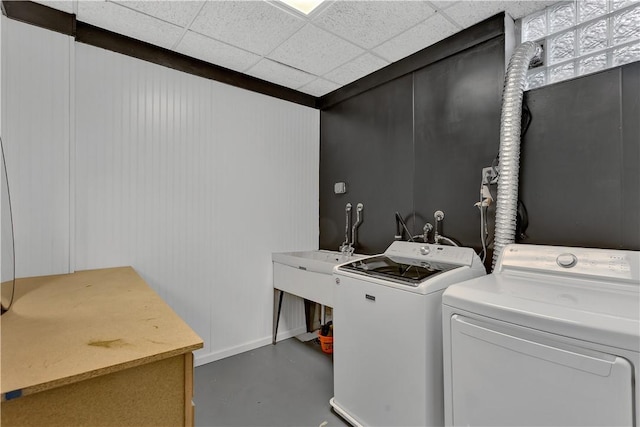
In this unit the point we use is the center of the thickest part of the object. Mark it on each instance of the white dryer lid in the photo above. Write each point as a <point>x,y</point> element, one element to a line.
<point>589,308</point>
<point>605,316</point>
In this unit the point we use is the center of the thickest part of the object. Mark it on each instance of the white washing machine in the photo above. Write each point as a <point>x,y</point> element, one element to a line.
<point>388,333</point>
<point>552,337</point>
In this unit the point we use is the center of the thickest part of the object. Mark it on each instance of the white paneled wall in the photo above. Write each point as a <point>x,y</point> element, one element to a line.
<point>36,135</point>
<point>194,183</point>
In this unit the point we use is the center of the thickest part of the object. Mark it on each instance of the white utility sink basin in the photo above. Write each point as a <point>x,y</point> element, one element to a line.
<point>308,274</point>
<point>320,261</point>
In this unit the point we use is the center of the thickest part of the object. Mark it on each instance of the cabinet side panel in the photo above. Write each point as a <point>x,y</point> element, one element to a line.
<point>189,406</point>
<point>147,395</point>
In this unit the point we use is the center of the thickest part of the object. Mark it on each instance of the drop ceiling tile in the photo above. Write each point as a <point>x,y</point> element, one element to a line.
<point>65,6</point>
<point>315,51</point>
<point>519,9</point>
<point>425,34</point>
<point>177,12</point>
<point>216,52</point>
<point>255,26</point>
<point>122,20</point>
<point>280,74</point>
<point>369,23</point>
<point>319,87</point>
<point>468,13</point>
<point>442,5</point>
<point>353,70</point>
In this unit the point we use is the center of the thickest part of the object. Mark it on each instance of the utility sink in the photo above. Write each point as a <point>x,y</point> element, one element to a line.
<point>319,261</point>
<point>308,274</point>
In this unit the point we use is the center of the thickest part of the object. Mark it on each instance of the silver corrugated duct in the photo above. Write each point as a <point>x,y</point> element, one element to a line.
<point>509,166</point>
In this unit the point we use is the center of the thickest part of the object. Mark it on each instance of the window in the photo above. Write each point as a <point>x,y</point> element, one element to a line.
<point>581,37</point>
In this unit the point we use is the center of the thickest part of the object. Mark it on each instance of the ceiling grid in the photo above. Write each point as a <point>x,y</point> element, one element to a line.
<point>336,44</point>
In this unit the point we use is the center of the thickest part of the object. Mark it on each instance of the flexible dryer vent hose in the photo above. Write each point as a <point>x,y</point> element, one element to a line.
<point>509,166</point>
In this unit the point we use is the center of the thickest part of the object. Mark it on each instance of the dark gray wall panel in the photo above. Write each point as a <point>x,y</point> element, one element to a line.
<point>366,141</point>
<point>630,222</point>
<point>420,150</point>
<point>457,116</point>
<point>571,171</point>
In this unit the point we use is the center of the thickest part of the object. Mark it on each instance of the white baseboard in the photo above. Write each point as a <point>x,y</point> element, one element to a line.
<point>232,351</point>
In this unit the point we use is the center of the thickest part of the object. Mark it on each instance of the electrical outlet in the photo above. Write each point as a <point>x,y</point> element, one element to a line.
<point>489,176</point>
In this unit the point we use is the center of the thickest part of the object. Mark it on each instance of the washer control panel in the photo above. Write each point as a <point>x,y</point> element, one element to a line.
<point>430,253</point>
<point>606,263</point>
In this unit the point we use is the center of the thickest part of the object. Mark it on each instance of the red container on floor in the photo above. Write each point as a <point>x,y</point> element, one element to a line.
<point>326,343</point>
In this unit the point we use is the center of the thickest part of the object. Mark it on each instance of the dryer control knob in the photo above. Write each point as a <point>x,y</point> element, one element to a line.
<point>566,260</point>
<point>424,250</point>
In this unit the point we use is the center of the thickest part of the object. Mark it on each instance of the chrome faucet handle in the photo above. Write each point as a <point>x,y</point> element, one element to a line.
<point>347,250</point>
<point>426,230</point>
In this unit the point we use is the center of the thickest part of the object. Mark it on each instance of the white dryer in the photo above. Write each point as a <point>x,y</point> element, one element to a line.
<point>551,338</point>
<point>388,333</point>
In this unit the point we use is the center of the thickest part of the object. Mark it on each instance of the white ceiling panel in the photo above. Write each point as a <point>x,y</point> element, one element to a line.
<point>176,12</point>
<point>315,51</point>
<point>354,20</point>
<point>429,32</point>
<point>319,87</point>
<point>338,43</point>
<point>468,13</point>
<point>280,74</point>
<point>353,70</point>
<point>216,52</point>
<point>519,9</point>
<point>255,26</point>
<point>441,5</point>
<point>122,20</point>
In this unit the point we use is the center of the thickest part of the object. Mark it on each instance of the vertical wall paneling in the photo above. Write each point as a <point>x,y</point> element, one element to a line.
<point>457,109</point>
<point>415,144</point>
<point>3,28</point>
<point>72,155</point>
<point>576,125</point>
<point>630,221</point>
<point>194,183</point>
<point>579,159</point>
<point>35,131</point>
<point>367,142</point>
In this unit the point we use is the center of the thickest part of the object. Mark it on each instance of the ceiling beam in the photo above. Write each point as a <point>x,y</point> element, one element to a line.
<point>40,15</point>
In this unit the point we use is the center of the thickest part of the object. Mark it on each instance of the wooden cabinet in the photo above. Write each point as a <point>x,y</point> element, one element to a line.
<point>95,348</point>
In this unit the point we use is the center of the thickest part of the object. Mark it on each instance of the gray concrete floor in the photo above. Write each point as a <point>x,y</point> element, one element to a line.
<point>288,384</point>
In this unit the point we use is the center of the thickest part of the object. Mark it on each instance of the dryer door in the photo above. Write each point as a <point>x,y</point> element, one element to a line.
<point>513,376</point>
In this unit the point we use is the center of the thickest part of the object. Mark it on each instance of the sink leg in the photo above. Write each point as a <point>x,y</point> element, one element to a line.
<point>277,319</point>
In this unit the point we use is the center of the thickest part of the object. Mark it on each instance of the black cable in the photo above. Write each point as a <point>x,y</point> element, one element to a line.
<point>528,117</point>
<point>13,241</point>
<point>522,218</point>
<point>399,218</point>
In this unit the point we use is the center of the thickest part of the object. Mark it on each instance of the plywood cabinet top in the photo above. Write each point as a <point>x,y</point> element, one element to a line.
<point>68,328</point>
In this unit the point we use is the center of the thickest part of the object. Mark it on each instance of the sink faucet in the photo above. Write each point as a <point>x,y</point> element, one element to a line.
<point>346,247</point>
<point>347,250</point>
<point>354,229</point>
<point>426,230</point>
